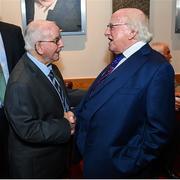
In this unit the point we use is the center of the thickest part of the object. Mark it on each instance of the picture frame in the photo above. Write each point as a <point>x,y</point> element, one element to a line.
<point>177,17</point>
<point>144,5</point>
<point>69,15</point>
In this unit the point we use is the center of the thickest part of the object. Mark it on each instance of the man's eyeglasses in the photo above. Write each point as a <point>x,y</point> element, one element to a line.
<point>55,41</point>
<point>110,25</point>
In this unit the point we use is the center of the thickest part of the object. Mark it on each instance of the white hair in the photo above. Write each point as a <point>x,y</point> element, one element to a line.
<point>140,23</point>
<point>37,31</point>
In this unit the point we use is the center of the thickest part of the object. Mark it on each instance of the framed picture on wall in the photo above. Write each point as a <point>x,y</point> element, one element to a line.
<point>144,5</point>
<point>69,15</point>
<point>177,20</point>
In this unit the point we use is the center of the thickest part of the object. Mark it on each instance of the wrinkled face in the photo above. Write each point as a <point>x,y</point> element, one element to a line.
<point>119,34</point>
<point>167,53</point>
<point>50,47</point>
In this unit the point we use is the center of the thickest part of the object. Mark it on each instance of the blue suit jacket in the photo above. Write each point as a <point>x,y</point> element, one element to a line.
<point>129,117</point>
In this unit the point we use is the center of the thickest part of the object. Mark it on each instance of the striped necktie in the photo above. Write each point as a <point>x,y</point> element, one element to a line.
<point>111,67</point>
<point>59,91</point>
<point>108,71</point>
<point>2,85</point>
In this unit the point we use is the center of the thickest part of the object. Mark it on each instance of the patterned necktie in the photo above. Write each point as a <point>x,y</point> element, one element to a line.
<point>59,90</point>
<point>2,85</point>
<point>108,71</point>
<point>111,67</point>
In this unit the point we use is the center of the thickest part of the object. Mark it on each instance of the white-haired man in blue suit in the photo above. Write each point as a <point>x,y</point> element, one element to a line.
<point>126,119</point>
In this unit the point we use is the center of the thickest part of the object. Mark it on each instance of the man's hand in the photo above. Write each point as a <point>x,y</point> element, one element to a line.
<point>72,120</point>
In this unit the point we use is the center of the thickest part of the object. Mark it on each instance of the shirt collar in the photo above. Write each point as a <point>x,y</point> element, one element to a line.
<point>135,47</point>
<point>39,64</point>
<point>53,5</point>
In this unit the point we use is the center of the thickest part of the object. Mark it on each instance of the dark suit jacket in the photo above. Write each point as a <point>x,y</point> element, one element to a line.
<point>14,48</point>
<point>39,133</point>
<point>66,13</point>
<point>75,96</point>
<point>13,43</point>
<point>128,119</point>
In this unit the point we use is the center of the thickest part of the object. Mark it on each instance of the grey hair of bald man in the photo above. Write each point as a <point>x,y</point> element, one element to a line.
<point>138,21</point>
<point>37,30</point>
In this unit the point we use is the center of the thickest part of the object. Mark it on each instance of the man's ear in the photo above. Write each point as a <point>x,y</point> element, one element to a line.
<point>132,34</point>
<point>38,48</point>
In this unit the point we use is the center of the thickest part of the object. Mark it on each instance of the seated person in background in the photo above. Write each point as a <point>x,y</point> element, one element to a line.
<point>163,48</point>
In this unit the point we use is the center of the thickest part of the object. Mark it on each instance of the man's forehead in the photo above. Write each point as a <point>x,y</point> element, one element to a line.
<point>118,18</point>
<point>128,12</point>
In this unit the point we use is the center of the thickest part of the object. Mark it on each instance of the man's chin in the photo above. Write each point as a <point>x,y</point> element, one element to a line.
<point>110,49</point>
<point>56,57</point>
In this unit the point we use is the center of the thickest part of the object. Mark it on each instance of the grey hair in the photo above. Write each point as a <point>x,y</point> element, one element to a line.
<point>140,23</point>
<point>36,31</point>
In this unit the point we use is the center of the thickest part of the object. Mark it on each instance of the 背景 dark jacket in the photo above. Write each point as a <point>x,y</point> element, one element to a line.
<point>13,43</point>
<point>14,48</point>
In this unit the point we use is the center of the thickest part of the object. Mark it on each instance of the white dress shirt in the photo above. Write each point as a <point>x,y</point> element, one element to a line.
<point>130,51</point>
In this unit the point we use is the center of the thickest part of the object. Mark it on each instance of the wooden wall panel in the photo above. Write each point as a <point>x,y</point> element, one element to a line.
<point>82,83</point>
<point>177,79</point>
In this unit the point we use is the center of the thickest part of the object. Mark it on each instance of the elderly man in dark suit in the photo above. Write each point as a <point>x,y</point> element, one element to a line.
<point>37,108</point>
<point>11,49</point>
<point>126,119</point>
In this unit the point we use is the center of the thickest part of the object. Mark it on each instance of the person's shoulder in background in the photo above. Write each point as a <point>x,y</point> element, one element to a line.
<point>9,25</point>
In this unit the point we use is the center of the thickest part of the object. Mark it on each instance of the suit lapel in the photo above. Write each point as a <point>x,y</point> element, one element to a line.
<point>125,70</point>
<point>41,77</point>
<point>116,80</point>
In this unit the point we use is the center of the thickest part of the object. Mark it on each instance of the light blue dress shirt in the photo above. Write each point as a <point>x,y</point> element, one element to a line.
<point>40,65</point>
<point>3,62</point>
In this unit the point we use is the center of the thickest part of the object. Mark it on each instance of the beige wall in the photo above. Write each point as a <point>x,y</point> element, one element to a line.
<point>162,21</point>
<point>87,55</point>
